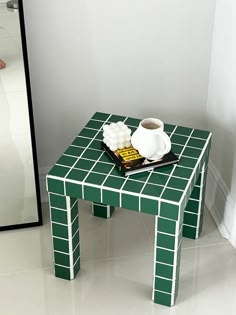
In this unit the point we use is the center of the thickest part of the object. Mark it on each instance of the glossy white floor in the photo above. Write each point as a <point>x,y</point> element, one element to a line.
<point>116,270</point>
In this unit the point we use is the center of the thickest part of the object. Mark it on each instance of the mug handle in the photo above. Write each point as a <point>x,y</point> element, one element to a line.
<point>166,140</point>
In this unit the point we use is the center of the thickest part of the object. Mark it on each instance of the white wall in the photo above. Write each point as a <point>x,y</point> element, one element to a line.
<point>221,117</point>
<point>134,57</point>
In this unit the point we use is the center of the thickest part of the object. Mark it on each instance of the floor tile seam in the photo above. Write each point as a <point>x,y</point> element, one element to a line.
<point>205,245</point>
<point>146,229</point>
<point>91,260</point>
<point>25,271</point>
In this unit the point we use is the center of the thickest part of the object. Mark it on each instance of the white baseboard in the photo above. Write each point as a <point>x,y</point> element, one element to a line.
<point>221,204</point>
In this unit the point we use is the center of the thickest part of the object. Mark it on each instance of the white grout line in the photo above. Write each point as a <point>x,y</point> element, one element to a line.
<point>70,236</point>
<point>196,166</point>
<point>154,267</point>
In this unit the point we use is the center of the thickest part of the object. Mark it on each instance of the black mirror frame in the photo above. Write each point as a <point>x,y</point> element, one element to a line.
<point>32,130</point>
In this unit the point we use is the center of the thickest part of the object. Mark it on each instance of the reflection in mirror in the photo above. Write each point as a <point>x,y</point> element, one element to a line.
<point>19,189</point>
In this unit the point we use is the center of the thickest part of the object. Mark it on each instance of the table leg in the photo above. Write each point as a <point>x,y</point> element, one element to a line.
<point>101,210</point>
<point>65,235</point>
<point>193,214</point>
<point>168,240</point>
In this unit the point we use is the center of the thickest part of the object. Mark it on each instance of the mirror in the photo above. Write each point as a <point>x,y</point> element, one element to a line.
<point>19,182</point>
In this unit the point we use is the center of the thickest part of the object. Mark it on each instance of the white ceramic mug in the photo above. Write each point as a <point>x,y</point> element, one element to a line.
<point>150,139</point>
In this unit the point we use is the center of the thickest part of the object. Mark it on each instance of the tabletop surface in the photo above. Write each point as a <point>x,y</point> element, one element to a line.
<point>85,171</point>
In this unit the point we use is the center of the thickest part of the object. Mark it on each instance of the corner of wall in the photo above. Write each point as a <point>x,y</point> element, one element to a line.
<point>221,204</point>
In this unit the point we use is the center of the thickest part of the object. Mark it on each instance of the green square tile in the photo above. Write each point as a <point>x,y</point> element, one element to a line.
<point>177,139</point>
<point>142,177</point>
<point>62,272</point>
<point>189,232</point>
<point>200,134</point>
<point>75,240</point>
<point>114,182</point>
<point>89,133</point>
<point>76,254</point>
<point>172,195</point>
<point>164,256</point>
<point>55,186</point>
<point>100,116</point>
<point>130,202</point>
<point>176,148</point>
<point>169,211</point>
<point>78,175</point>
<point>149,206</point>
<point>95,178</point>
<point>59,216</point>
<point>162,298</point>
<point>169,128</point>
<point>74,211</point>
<point>187,162</point>
<point>190,219</point>
<point>165,241</point>
<point>99,136</point>
<point>133,186</point>
<point>92,154</point>
<point>195,193</point>
<point>61,259</point>
<point>92,193</point>
<point>105,158</point>
<point>117,172</point>
<point>74,151</point>
<point>196,143</point>
<point>152,190</point>
<point>198,182</point>
<point>182,172</point>
<point>100,211</point>
<point>74,190</point>
<point>102,168</point>
<point>192,152</point>
<point>95,144</point>
<point>111,198</point>
<point>72,201</point>
<point>166,226</point>
<point>81,142</point>
<point>177,183</point>
<point>133,129</point>
<point>75,226</point>
<point>159,179</point>
<point>94,124</point>
<point>132,122</point>
<point>84,164</point>
<point>163,285</point>
<point>59,230</point>
<point>57,201</point>
<point>192,206</point>
<point>76,267</point>
<point>66,160</point>
<point>61,245</point>
<point>183,131</point>
<point>164,170</point>
<point>164,271</point>
<point>116,118</point>
<point>59,171</point>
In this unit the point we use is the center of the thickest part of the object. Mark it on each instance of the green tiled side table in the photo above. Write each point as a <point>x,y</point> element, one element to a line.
<point>173,194</point>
